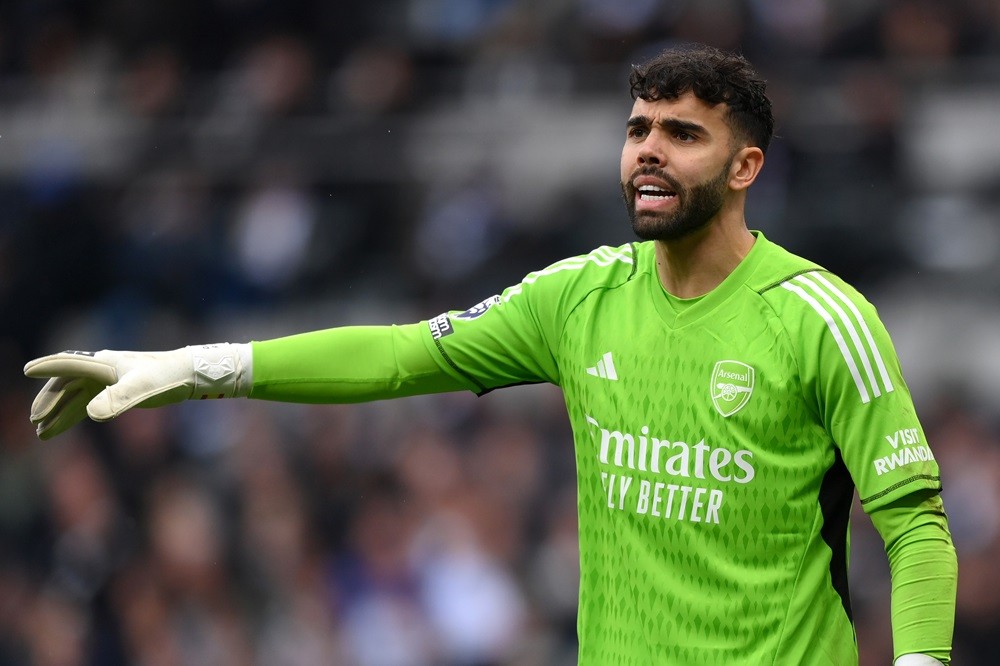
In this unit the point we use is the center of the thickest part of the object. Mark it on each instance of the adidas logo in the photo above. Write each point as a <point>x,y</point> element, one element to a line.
<point>605,368</point>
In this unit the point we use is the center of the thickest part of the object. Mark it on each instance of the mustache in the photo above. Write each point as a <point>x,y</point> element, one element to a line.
<point>656,172</point>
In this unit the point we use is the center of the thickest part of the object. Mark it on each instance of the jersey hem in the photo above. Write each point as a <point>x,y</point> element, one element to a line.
<point>480,389</point>
<point>773,285</point>
<point>896,486</point>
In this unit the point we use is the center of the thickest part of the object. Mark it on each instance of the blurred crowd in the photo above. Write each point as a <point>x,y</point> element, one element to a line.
<point>192,171</point>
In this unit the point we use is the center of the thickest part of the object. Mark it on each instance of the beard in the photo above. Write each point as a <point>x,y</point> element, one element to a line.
<point>697,205</point>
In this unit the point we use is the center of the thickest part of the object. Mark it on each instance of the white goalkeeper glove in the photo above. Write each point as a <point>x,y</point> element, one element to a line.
<point>106,383</point>
<point>916,660</point>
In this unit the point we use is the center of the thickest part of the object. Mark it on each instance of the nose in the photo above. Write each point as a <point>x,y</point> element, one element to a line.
<point>651,152</point>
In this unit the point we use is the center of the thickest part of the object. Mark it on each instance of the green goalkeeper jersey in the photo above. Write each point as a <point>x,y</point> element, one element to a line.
<point>719,442</point>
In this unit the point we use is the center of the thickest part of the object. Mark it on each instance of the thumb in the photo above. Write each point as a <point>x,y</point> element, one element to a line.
<point>134,388</point>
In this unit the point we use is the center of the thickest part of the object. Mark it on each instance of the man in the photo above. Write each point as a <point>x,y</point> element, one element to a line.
<point>726,397</point>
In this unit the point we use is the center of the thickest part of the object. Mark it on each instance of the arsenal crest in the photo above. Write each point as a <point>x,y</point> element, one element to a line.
<point>732,385</point>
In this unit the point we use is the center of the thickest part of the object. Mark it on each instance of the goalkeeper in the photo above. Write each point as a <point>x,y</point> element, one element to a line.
<point>727,399</point>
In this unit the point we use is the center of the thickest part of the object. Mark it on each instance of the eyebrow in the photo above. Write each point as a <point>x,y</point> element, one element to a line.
<point>672,124</point>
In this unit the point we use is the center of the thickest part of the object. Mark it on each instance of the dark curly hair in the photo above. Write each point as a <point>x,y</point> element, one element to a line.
<point>714,77</point>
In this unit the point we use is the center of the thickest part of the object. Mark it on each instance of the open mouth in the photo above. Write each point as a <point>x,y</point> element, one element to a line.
<point>654,193</point>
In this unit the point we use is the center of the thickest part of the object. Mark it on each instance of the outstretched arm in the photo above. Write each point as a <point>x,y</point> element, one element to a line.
<point>349,364</point>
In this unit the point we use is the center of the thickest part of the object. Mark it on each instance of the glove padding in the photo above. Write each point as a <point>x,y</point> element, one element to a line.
<point>104,384</point>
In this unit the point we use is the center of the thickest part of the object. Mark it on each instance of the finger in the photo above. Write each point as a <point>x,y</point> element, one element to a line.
<point>71,410</point>
<point>72,364</point>
<point>54,391</point>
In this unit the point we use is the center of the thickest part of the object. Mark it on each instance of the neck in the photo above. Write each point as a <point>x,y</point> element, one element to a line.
<point>698,263</point>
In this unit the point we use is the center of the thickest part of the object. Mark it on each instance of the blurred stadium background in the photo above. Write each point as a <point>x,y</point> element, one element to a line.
<point>200,170</point>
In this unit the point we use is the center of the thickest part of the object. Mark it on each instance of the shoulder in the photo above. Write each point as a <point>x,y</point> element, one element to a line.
<point>828,320</point>
<point>778,265</point>
<point>544,300</point>
<point>794,285</point>
<point>814,304</point>
<point>602,268</point>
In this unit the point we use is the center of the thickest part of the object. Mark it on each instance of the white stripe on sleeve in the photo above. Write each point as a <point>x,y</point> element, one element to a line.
<point>837,335</point>
<point>864,329</point>
<point>848,326</point>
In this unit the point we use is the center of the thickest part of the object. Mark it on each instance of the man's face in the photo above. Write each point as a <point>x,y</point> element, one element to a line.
<point>675,166</point>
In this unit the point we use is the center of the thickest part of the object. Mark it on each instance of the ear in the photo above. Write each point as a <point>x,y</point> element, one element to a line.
<point>744,167</point>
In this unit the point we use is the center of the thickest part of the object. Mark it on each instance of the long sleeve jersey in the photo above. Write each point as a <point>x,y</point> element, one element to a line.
<point>719,444</point>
